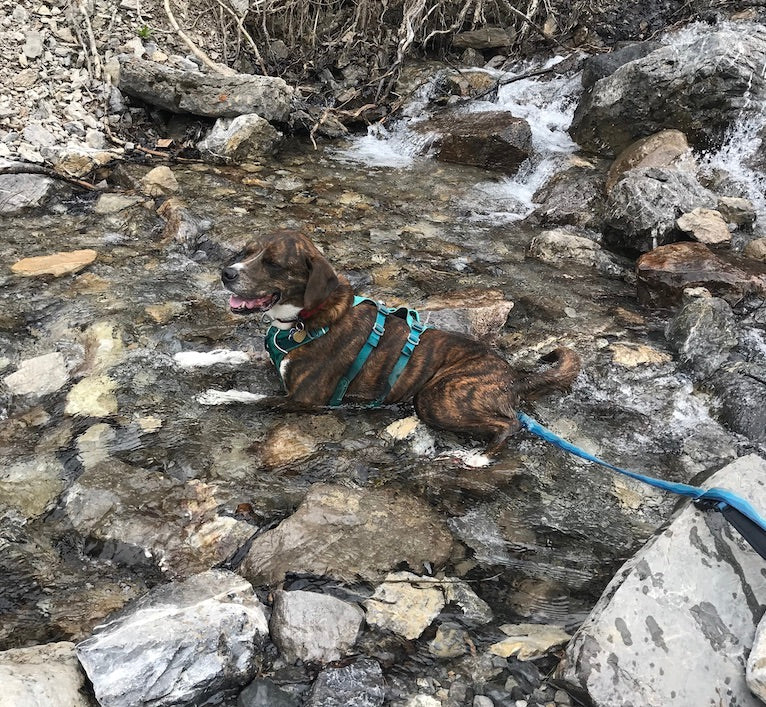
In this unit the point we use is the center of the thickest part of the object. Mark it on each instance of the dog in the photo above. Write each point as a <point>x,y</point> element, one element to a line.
<point>455,382</point>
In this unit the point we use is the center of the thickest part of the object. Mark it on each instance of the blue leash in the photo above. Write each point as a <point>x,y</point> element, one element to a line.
<point>739,512</point>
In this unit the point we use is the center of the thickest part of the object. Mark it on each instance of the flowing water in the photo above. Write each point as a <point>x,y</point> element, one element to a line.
<point>543,533</point>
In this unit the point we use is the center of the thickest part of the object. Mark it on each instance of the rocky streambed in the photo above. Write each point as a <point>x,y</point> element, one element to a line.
<point>163,543</point>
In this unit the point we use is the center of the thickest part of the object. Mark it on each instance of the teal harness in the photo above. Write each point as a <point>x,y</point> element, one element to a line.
<point>280,342</point>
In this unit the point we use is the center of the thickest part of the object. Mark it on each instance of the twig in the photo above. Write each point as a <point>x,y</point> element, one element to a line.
<point>204,58</point>
<point>246,35</point>
<point>29,168</point>
<point>98,67</point>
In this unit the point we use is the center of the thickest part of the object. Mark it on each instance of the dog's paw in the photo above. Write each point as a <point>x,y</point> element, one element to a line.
<point>224,397</point>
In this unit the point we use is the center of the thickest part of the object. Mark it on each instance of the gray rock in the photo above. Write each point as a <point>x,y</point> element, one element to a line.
<point>33,45</point>
<point>756,663</point>
<point>600,65</point>
<point>572,197</point>
<point>559,246</point>
<point>42,676</point>
<point>492,140</point>
<point>178,644</point>
<point>741,393</point>
<point>31,487</point>
<point>264,693</point>
<point>643,206</point>
<point>113,203</point>
<point>359,684</point>
<point>314,627</point>
<point>39,376</point>
<point>700,88</point>
<point>756,249</point>
<point>39,136</point>
<point>737,210</point>
<point>703,333</point>
<point>484,701</point>
<point>246,138</point>
<point>208,95</point>
<point>696,584</point>
<point>24,191</point>
<point>346,533</point>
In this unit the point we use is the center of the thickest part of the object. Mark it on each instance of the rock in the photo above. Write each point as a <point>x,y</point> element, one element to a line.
<point>697,583</point>
<point>450,641</point>
<point>701,88</point>
<point>529,641</point>
<point>314,627</point>
<point>354,533</point>
<point>179,644</point>
<point>287,443</point>
<point>478,313</point>
<point>80,161</point>
<point>705,225</point>
<point>741,394</point>
<point>492,140</point>
<point>572,197</point>
<point>484,38</point>
<point>31,487</point>
<point>484,701</point>
<point>643,206</point>
<point>19,192</point>
<point>736,210</point>
<point>246,138</point>
<point>92,397</point>
<point>57,264</point>
<point>113,203</point>
<point>404,606</point>
<point>39,136</point>
<point>359,684</point>
<point>264,693</point>
<point>703,333</point>
<point>468,84</point>
<point>41,676</point>
<point>756,663</point>
<point>209,95</point>
<point>182,226</point>
<point>141,517</point>
<point>756,249</point>
<point>666,148</point>
<point>159,181</point>
<point>38,376</point>
<point>632,355</point>
<point>664,273</point>
<point>560,246</point>
<point>598,66</point>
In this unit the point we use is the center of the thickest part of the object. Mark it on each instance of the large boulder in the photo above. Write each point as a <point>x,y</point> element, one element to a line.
<point>664,273</point>
<point>676,623</point>
<point>209,95</point>
<point>600,65</point>
<point>643,207</point>
<point>178,644</point>
<point>700,87</point>
<point>492,140</point>
<point>348,533</point>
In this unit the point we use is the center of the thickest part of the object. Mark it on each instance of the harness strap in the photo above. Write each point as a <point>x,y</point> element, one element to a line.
<point>279,343</point>
<point>739,512</point>
<point>364,353</point>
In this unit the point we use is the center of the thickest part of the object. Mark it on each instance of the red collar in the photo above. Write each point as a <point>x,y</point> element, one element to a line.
<point>306,313</point>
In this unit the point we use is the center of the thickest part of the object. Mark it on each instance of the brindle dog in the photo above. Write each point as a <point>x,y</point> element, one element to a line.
<point>455,382</point>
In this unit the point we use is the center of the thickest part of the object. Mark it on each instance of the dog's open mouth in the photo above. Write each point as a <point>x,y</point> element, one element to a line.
<point>239,305</point>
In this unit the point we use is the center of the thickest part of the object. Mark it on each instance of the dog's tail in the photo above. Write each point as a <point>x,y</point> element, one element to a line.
<point>557,377</point>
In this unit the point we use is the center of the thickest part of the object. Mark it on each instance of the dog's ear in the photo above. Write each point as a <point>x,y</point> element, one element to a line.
<point>321,284</point>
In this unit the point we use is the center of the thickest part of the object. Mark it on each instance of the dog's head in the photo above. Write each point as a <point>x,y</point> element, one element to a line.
<point>284,274</point>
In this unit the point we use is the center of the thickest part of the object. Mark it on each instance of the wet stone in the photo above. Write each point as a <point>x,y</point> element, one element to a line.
<point>159,181</point>
<point>756,663</point>
<point>179,644</point>
<point>39,376</point>
<point>354,533</point>
<point>113,203</point>
<point>560,246</point>
<point>31,487</point>
<point>529,641</point>
<point>697,583</point>
<point>450,641</point>
<point>42,675</point>
<point>246,138</point>
<point>736,210</point>
<point>92,397</point>
<point>741,394</point>
<point>57,264</point>
<point>706,226</point>
<point>756,249</point>
<point>360,684</point>
<point>265,693</point>
<point>600,65</point>
<point>313,627</point>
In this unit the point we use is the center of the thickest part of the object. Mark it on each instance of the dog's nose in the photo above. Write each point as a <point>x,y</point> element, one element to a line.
<point>228,275</point>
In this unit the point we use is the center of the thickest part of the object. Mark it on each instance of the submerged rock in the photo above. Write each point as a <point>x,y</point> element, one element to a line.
<point>359,684</point>
<point>246,138</point>
<point>347,533</point>
<point>210,95</point>
<point>560,246</point>
<point>741,393</point>
<point>701,88</point>
<point>664,273</point>
<point>703,333</point>
<point>264,693</point>
<point>39,676</point>
<point>493,139</point>
<point>313,627</point>
<point>643,206</point>
<point>31,487</point>
<point>56,264</point>
<point>178,644</point>
<point>572,197</point>
<point>38,376</point>
<point>697,583</point>
<point>529,641</point>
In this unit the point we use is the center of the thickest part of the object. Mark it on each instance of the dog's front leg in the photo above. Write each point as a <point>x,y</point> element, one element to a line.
<point>283,403</point>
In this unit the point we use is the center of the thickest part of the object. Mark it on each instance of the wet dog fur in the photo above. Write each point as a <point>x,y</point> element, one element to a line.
<point>455,382</point>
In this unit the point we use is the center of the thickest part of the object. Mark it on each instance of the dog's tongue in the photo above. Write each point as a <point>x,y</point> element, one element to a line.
<point>237,302</point>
